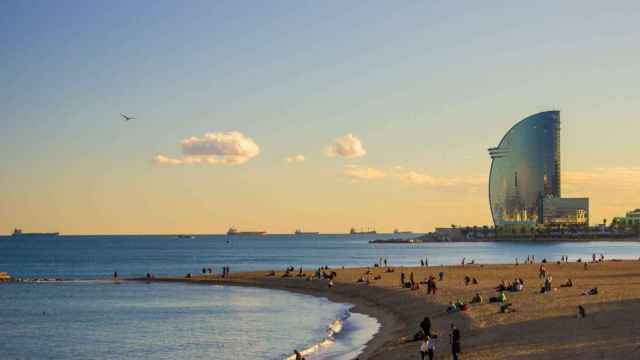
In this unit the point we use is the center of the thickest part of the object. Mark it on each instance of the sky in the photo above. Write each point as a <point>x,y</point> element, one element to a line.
<point>280,115</point>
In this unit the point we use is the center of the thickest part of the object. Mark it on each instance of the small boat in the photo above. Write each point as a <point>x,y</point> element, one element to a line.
<point>234,232</point>
<point>300,232</point>
<point>182,236</point>
<point>19,233</point>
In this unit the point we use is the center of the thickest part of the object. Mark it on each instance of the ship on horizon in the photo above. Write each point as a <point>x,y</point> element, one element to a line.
<point>396,231</point>
<point>300,232</point>
<point>19,232</point>
<point>368,231</point>
<point>234,231</point>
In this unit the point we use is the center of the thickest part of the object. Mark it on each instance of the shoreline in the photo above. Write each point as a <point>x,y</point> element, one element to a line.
<point>543,325</point>
<point>367,303</point>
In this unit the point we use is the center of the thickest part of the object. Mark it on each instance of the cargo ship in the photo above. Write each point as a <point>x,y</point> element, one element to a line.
<point>300,232</point>
<point>234,231</point>
<point>353,231</point>
<point>18,233</point>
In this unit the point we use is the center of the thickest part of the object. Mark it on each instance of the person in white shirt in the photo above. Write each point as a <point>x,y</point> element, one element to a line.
<point>428,347</point>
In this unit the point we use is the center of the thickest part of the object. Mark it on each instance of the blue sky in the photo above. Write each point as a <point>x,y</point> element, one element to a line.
<point>427,86</point>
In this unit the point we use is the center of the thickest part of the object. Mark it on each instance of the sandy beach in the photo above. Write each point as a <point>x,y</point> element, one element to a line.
<point>543,325</point>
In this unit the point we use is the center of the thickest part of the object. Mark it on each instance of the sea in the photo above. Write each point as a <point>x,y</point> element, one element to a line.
<point>69,308</point>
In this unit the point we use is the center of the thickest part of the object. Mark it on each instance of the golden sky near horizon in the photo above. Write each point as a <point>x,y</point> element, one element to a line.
<point>320,116</point>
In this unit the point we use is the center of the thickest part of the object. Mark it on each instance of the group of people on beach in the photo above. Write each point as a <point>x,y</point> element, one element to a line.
<point>428,340</point>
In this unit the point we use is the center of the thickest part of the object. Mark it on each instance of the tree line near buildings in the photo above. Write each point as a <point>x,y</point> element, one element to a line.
<point>616,229</point>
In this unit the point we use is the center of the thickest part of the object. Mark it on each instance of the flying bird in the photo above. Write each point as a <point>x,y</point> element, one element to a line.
<point>127,118</point>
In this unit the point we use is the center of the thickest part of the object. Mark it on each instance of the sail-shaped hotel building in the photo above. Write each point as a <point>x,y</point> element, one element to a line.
<point>524,182</point>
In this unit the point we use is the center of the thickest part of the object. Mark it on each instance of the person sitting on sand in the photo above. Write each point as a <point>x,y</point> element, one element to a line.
<point>460,304</point>
<point>451,308</point>
<point>477,299</point>
<point>502,297</point>
<point>569,283</point>
<point>581,312</point>
<point>502,286</point>
<point>467,280</point>
<point>441,275</point>
<point>593,291</point>
<point>474,281</point>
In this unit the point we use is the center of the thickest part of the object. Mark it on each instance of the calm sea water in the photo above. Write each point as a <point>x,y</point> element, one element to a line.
<point>84,317</point>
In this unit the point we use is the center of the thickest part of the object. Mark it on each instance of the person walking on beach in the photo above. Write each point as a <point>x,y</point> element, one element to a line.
<point>425,325</point>
<point>427,348</point>
<point>455,342</point>
<point>402,279</point>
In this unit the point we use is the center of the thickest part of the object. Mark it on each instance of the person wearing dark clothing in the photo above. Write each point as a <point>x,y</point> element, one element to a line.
<point>441,275</point>
<point>455,342</point>
<point>402,279</point>
<point>425,325</point>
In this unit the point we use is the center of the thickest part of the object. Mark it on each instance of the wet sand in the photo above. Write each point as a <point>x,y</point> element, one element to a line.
<point>543,326</point>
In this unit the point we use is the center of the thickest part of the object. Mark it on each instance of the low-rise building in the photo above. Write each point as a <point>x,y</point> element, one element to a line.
<point>557,211</point>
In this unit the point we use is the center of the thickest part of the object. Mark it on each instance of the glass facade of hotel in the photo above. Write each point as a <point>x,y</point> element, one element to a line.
<point>525,170</point>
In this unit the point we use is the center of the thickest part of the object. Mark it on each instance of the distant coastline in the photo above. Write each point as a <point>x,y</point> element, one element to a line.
<point>510,238</point>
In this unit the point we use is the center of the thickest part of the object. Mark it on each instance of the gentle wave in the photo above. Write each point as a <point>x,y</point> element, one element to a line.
<point>329,339</point>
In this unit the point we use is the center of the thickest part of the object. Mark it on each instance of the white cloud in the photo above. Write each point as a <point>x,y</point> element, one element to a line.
<point>420,178</point>
<point>347,146</point>
<point>295,158</point>
<point>357,172</point>
<point>231,148</point>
